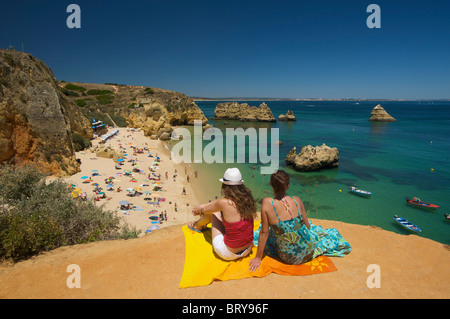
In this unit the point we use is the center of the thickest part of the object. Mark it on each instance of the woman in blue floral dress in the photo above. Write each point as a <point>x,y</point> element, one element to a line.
<point>285,232</point>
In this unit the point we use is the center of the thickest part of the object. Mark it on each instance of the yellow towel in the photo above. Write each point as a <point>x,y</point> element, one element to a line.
<point>202,266</point>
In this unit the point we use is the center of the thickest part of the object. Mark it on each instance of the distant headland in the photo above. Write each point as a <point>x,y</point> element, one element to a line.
<point>199,98</point>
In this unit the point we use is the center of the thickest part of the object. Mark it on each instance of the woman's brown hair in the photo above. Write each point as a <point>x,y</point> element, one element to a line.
<point>242,198</point>
<point>279,182</point>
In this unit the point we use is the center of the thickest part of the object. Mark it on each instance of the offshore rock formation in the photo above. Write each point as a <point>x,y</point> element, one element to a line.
<point>243,112</point>
<point>313,158</point>
<point>36,120</point>
<point>379,114</point>
<point>288,117</point>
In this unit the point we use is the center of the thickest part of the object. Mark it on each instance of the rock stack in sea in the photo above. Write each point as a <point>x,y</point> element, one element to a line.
<point>379,114</point>
<point>288,117</point>
<point>37,121</point>
<point>313,158</point>
<point>243,112</point>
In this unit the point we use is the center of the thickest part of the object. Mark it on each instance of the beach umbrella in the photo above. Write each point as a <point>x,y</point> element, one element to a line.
<point>120,160</point>
<point>110,185</point>
<point>138,189</point>
<point>94,171</point>
<point>94,184</point>
<point>101,193</point>
<point>130,190</point>
<point>123,203</point>
<point>85,177</point>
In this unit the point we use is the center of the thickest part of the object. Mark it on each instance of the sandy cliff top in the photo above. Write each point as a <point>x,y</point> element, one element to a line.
<point>151,267</point>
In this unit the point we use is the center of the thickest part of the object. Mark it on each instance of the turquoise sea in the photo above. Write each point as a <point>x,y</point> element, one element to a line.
<point>392,160</point>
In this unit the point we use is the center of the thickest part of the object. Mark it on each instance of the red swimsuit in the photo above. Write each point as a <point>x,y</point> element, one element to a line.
<point>238,234</point>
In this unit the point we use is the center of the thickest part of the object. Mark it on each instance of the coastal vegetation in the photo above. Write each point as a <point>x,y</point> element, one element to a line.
<point>74,87</point>
<point>80,142</point>
<point>38,216</point>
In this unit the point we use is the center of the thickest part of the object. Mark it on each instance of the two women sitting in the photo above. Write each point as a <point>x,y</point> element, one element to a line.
<point>284,224</point>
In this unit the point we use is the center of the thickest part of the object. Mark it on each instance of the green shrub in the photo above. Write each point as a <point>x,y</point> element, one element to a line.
<point>26,234</point>
<point>99,92</point>
<point>74,87</point>
<point>37,216</point>
<point>149,91</point>
<point>69,92</point>
<point>18,184</point>
<point>105,99</point>
<point>80,142</point>
<point>119,120</point>
<point>81,102</point>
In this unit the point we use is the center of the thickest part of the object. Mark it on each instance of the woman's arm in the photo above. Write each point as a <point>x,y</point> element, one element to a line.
<point>303,212</point>
<point>255,263</point>
<point>208,208</point>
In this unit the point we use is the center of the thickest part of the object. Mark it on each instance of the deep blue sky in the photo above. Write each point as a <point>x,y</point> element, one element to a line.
<point>296,49</point>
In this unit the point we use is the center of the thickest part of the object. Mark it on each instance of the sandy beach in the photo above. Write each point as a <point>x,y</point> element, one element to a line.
<point>149,202</point>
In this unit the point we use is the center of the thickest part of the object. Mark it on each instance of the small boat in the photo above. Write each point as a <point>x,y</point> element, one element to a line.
<point>407,224</point>
<point>358,191</point>
<point>447,216</point>
<point>418,203</point>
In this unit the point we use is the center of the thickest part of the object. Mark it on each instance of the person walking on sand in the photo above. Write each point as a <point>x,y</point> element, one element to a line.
<point>231,217</point>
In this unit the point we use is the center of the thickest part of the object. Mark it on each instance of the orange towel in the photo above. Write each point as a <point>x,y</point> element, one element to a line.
<point>202,266</point>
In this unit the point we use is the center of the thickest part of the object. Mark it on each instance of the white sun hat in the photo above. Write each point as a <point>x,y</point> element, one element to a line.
<point>232,176</point>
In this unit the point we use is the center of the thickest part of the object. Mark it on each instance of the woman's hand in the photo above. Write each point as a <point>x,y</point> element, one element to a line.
<point>254,264</point>
<point>197,210</point>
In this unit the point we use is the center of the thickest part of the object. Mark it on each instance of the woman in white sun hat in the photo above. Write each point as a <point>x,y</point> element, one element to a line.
<point>231,218</point>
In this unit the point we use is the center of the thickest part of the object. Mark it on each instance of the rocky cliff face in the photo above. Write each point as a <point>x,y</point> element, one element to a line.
<point>153,110</point>
<point>379,114</point>
<point>313,158</point>
<point>36,120</point>
<point>158,112</point>
<point>243,112</point>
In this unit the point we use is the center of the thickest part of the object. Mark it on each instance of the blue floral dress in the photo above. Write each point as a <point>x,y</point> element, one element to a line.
<point>293,243</point>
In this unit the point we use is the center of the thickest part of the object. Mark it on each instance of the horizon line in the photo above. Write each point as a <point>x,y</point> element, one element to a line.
<point>201,98</point>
